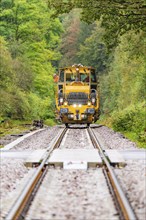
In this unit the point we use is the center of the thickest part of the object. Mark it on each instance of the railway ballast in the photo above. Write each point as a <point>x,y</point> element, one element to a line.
<point>86,187</point>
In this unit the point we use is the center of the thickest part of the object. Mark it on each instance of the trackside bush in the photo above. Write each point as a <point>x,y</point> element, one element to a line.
<point>131,119</point>
<point>40,108</point>
<point>50,122</point>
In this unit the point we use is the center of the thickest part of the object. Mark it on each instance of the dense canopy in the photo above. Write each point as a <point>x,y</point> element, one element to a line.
<point>117,16</point>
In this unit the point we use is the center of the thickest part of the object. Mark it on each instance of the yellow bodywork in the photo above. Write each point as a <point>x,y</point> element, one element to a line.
<point>77,113</point>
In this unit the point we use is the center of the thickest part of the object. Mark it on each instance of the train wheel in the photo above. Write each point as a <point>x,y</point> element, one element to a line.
<point>88,125</point>
<point>66,124</point>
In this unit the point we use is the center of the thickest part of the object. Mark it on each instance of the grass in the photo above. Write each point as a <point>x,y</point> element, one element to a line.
<point>13,127</point>
<point>50,122</point>
<point>1,146</point>
<point>16,126</point>
<point>133,136</point>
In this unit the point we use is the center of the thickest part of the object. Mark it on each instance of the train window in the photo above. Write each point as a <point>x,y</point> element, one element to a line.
<point>60,87</point>
<point>77,77</point>
<point>61,76</point>
<point>84,77</point>
<point>70,77</point>
<point>93,76</point>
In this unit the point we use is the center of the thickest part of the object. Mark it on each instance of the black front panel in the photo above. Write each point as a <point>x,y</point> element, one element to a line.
<point>94,86</point>
<point>77,98</point>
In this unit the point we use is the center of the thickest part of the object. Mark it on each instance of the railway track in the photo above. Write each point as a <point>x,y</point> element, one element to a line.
<point>121,202</point>
<point>22,204</point>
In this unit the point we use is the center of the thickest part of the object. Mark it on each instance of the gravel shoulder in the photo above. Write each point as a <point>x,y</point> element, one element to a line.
<point>114,140</point>
<point>40,140</point>
<point>12,172</point>
<point>133,181</point>
<point>8,198</point>
<point>133,176</point>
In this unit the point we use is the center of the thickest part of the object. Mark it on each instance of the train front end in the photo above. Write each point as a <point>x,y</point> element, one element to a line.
<point>77,98</point>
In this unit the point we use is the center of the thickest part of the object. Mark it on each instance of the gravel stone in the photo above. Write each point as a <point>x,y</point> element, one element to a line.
<point>114,140</point>
<point>133,176</point>
<point>11,172</point>
<point>8,199</point>
<point>11,137</point>
<point>76,138</point>
<point>73,194</point>
<point>40,140</point>
<point>7,139</point>
<point>84,189</point>
<point>133,181</point>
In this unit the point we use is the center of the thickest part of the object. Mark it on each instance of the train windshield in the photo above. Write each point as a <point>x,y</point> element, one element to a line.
<point>84,77</point>
<point>75,77</point>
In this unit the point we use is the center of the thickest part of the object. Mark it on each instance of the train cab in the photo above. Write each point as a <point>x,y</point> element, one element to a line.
<point>77,96</point>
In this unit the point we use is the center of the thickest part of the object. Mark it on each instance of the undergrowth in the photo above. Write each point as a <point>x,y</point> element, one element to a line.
<point>9,126</point>
<point>130,121</point>
<point>49,122</point>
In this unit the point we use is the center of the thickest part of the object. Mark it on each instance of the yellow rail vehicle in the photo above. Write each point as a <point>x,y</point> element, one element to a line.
<point>77,97</point>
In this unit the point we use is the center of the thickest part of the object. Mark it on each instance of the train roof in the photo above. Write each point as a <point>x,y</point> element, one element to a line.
<point>77,66</point>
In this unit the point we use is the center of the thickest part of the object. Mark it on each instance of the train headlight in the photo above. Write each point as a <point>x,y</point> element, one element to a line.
<point>74,105</point>
<point>89,103</point>
<point>83,116</point>
<point>61,100</point>
<point>70,116</point>
<point>93,100</point>
<point>80,105</point>
<point>65,103</point>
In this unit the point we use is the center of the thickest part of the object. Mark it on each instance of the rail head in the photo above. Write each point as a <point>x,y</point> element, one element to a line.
<point>19,204</point>
<point>124,204</point>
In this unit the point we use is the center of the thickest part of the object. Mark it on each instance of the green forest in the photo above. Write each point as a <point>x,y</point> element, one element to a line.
<point>38,37</point>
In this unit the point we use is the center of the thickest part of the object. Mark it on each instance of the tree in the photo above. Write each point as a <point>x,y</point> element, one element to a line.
<point>93,51</point>
<point>75,33</point>
<point>117,17</point>
<point>125,82</point>
<point>70,38</point>
<point>13,100</point>
<point>32,46</point>
<point>6,64</point>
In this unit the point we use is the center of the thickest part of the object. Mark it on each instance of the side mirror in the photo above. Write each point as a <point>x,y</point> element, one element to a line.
<point>56,78</point>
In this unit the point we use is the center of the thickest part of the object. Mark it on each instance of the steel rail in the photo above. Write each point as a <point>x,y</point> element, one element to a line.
<point>19,205</point>
<point>123,202</point>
